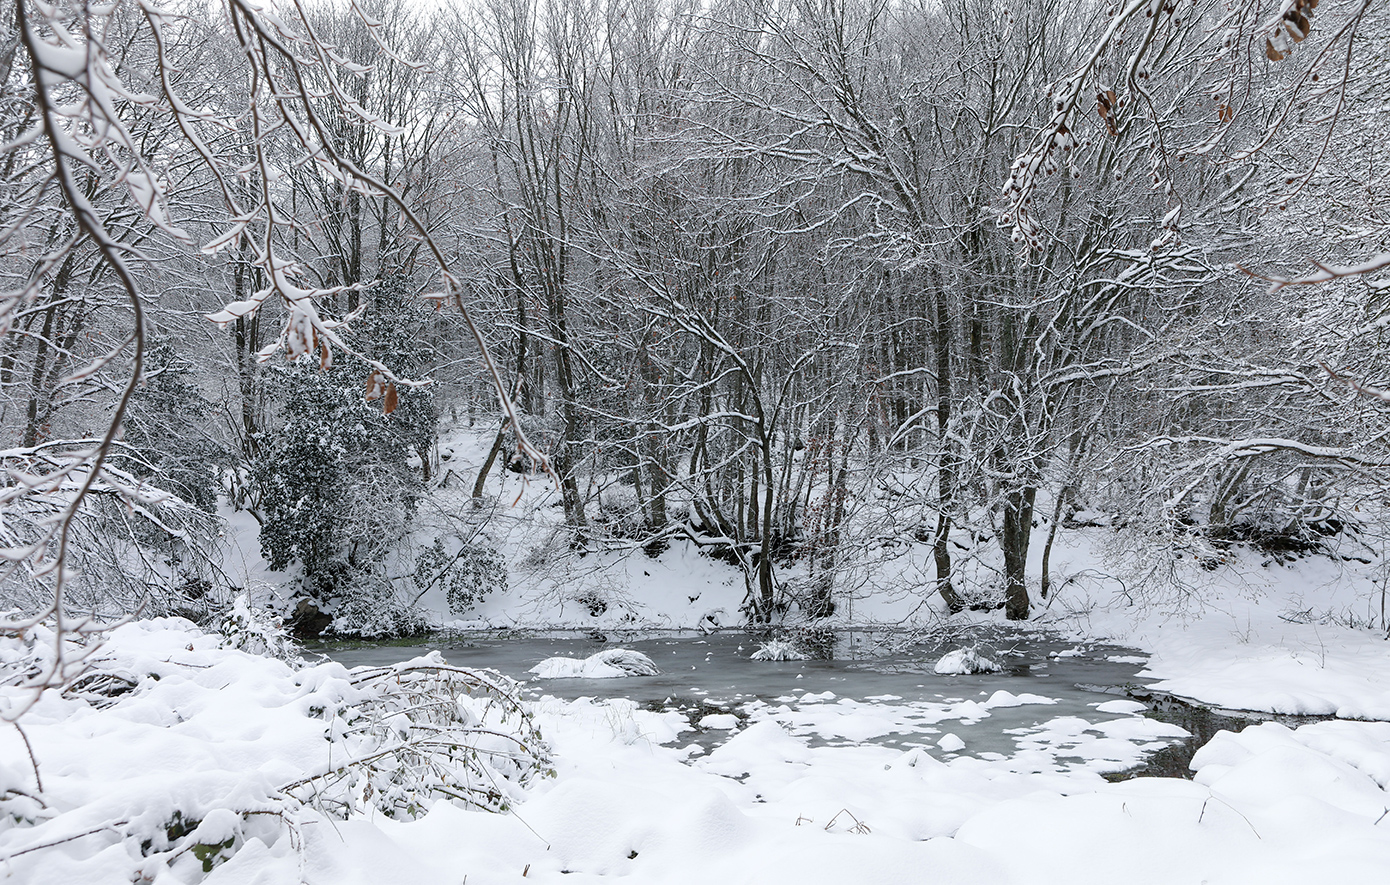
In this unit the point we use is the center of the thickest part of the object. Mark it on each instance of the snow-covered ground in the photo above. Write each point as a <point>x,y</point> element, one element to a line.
<point>186,777</point>
<point>1299,638</point>
<point>212,736</point>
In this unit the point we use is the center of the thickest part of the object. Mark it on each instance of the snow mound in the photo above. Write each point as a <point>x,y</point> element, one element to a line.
<point>611,663</point>
<point>1003,698</point>
<point>778,650</point>
<point>175,756</point>
<point>964,662</point>
<point>1120,706</point>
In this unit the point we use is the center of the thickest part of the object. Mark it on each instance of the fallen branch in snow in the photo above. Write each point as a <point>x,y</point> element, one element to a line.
<point>860,828</point>
<point>114,827</point>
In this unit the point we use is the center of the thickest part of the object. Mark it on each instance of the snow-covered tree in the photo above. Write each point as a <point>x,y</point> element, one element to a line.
<point>107,131</point>
<point>336,490</point>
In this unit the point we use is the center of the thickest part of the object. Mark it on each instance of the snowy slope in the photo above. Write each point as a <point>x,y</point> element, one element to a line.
<point>217,734</point>
<point>1298,637</point>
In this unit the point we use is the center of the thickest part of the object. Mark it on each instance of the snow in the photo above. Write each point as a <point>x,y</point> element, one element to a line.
<point>1120,707</point>
<point>802,792</point>
<point>1003,698</point>
<point>950,743</point>
<point>209,744</point>
<point>799,791</point>
<point>767,806</point>
<point>1270,639</point>
<point>611,663</point>
<point>815,787</point>
<point>965,661</point>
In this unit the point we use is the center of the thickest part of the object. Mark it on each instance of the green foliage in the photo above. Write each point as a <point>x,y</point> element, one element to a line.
<point>212,854</point>
<point>395,333</point>
<point>336,491</point>
<point>467,576</point>
<point>179,827</point>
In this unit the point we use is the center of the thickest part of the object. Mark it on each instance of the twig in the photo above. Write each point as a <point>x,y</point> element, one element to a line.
<point>73,838</point>
<point>1212,796</point>
<point>38,781</point>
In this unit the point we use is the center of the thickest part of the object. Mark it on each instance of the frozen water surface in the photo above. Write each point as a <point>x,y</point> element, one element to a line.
<point>875,687</point>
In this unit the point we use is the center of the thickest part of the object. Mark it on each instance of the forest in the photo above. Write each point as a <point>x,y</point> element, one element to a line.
<point>792,281</point>
<point>331,320</point>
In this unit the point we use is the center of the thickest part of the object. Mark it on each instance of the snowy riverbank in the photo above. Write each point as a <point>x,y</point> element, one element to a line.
<point>206,765</point>
<point>211,737</point>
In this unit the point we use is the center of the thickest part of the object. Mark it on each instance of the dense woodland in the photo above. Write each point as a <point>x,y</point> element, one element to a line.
<point>797,281</point>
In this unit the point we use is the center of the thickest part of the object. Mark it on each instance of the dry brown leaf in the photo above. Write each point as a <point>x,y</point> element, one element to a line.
<point>1294,26</point>
<point>1106,103</point>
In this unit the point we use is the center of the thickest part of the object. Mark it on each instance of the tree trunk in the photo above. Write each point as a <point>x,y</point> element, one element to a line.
<point>481,481</point>
<point>946,471</point>
<point>1016,535</point>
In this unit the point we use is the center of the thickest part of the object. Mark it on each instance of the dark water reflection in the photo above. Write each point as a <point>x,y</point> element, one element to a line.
<point>1202,724</point>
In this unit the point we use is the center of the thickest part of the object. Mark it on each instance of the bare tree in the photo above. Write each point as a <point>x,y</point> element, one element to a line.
<point>87,97</point>
<point>1223,83</point>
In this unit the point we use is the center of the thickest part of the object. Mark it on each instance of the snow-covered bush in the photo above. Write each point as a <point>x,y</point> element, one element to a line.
<point>591,598</point>
<point>778,650</point>
<point>422,731</point>
<point>467,576</point>
<point>256,631</point>
<point>279,748</point>
<point>620,514</point>
<point>374,609</point>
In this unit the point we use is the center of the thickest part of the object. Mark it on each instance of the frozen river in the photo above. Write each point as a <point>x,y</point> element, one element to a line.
<point>1042,709</point>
